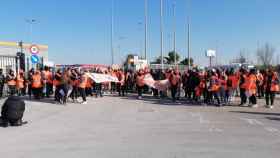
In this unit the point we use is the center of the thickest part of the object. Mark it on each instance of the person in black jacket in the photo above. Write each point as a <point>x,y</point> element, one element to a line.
<point>12,112</point>
<point>2,82</point>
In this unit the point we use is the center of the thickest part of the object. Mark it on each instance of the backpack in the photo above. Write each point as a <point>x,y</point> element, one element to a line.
<point>13,109</point>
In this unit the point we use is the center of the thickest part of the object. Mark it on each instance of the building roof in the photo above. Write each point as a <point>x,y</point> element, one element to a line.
<point>25,45</point>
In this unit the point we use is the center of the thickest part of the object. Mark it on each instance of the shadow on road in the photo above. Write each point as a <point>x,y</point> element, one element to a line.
<point>256,113</point>
<point>164,102</point>
<point>273,118</point>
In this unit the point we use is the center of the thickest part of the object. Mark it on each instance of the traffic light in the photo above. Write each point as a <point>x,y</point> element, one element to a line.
<point>21,58</point>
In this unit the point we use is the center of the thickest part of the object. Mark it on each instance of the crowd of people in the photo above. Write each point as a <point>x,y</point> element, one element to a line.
<point>210,87</point>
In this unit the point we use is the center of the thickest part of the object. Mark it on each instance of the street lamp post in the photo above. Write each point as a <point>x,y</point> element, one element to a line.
<point>189,36</point>
<point>112,33</point>
<point>146,28</point>
<point>31,22</point>
<point>174,32</point>
<point>161,33</point>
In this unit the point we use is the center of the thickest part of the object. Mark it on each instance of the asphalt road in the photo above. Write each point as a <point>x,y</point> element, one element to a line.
<point>113,127</point>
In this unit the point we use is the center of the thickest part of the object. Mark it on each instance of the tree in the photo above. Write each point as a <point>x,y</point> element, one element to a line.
<point>265,54</point>
<point>186,61</point>
<point>128,60</point>
<point>171,57</point>
<point>157,60</point>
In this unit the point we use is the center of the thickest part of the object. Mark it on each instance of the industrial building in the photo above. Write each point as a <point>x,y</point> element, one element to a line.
<point>17,55</point>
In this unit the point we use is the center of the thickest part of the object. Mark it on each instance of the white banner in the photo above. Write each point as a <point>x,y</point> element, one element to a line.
<point>100,78</point>
<point>160,84</point>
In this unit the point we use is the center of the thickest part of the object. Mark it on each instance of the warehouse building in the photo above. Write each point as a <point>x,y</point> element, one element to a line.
<point>17,55</point>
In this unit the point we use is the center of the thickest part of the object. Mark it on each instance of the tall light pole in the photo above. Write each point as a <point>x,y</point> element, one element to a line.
<point>189,35</point>
<point>161,33</point>
<point>31,22</point>
<point>174,31</point>
<point>140,29</point>
<point>112,32</point>
<point>146,29</point>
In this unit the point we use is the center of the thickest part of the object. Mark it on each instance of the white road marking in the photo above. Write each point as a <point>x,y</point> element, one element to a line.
<point>252,121</point>
<point>271,129</point>
<point>202,120</point>
<point>214,129</point>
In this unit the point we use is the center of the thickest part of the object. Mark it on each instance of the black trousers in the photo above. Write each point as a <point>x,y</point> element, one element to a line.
<point>174,89</point>
<point>121,89</point>
<point>140,90</point>
<point>29,87</point>
<point>269,97</point>
<point>243,96</point>
<point>155,92</point>
<point>74,93</point>
<point>49,89</point>
<point>210,96</point>
<point>253,99</point>
<point>21,92</point>
<point>83,93</point>
<point>37,92</point>
<point>1,90</point>
<point>98,89</point>
<point>12,89</point>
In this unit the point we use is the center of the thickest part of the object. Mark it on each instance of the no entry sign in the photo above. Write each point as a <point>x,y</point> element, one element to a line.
<point>34,49</point>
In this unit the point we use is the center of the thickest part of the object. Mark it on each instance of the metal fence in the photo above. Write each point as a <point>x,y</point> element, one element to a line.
<point>8,63</point>
<point>167,66</point>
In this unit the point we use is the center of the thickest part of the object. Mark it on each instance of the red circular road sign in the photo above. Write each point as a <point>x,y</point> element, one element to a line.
<point>34,49</point>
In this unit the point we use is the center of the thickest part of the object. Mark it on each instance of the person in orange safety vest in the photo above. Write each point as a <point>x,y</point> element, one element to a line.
<point>37,85</point>
<point>11,81</point>
<point>271,85</point>
<point>20,83</point>
<point>251,88</point>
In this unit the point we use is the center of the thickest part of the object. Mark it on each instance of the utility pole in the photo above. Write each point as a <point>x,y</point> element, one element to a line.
<point>161,33</point>
<point>112,32</point>
<point>31,22</point>
<point>189,37</point>
<point>174,31</point>
<point>146,29</point>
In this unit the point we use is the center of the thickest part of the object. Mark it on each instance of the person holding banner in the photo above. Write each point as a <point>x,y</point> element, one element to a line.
<point>120,84</point>
<point>82,87</point>
<point>175,81</point>
<point>140,83</point>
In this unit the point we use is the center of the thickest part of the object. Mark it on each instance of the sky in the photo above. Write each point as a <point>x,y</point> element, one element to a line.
<point>78,31</point>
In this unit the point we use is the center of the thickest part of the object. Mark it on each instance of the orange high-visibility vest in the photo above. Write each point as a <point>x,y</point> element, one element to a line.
<point>12,82</point>
<point>89,83</point>
<point>48,76</point>
<point>215,84</point>
<point>20,82</point>
<point>36,81</point>
<point>83,82</point>
<point>275,83</point>
<point>251,84</point>
<point>244,85</point>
